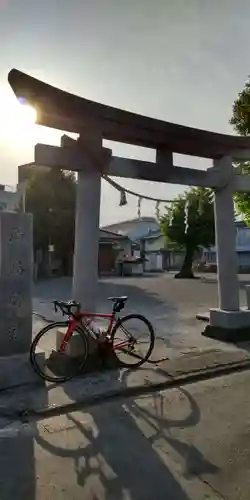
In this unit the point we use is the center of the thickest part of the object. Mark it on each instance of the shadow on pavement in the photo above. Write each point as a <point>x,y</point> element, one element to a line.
<point>117,460</point>
<point>17,460</point>
<point>194,463</point>
<point>17,468</point>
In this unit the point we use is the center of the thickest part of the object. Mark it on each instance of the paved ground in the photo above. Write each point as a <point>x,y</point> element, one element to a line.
<point>180,444</point>
<point>170,304</point>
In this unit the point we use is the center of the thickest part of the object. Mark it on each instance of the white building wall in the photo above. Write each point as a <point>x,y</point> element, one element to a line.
<point>153,262</point>
<point>244,259</point>
<point>242,247</point>
<point>176,259</point>
<point>9,200</point>
<point>154,244</point>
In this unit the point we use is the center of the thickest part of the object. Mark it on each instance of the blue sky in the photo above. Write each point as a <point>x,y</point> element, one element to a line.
<point>179,60</point>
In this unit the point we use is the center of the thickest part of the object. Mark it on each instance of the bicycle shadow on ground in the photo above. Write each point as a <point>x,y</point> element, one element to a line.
<point>118,458</point>
<point>116,461</point>
<point>161,424</point>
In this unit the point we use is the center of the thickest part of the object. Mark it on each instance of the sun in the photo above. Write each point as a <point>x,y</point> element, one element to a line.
<point>17,121</point>
<point>18,128</point>
<point>26,113</point>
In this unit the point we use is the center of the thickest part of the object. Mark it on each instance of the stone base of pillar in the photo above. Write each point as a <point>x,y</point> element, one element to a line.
<point>16,371</point>
<point>230,319</point>
<point>229,326</point>
<point>97,360</point>
<point>75,345</point>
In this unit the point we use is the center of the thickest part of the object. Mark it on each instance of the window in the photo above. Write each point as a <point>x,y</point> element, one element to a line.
<point>243,237</point>
<point>210,257</point>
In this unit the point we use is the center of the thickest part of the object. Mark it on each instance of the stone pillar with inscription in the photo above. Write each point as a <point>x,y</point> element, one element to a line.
<point>16,263</point>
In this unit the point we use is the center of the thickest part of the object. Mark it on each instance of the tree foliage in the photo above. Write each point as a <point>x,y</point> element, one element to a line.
<point>241,111</point>
<point>50,197</point>
<point>242,200</point>
<point>241,123</point>
<point>189,223</point>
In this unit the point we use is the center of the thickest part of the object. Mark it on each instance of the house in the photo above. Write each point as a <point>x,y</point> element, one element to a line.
<point>137,230</point>
<point>159,256</point>
<point>242,246</point>
<point>153,246</point>
<point>147,238</point>
<point>112,247</point>
<point>134,229</point>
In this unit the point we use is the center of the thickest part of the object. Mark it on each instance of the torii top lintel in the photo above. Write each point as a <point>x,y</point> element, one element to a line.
<point>64,111</point>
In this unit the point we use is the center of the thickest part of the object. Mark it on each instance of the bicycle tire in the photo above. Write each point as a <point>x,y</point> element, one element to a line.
<point>151,344</point>
<point>45,330</point>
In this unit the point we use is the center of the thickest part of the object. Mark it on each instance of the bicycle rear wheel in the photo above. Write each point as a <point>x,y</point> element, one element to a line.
<point>132,340</point>
<point>48,362</point>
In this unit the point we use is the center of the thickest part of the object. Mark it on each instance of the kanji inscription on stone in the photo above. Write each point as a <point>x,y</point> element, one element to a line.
<point>13,333</point>
<point>15,300</point>
<point>17,268</point>
<point>16,282</point>
<point>16,234</point>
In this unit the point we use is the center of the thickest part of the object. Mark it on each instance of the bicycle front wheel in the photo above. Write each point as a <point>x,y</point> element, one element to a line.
<point>132,340</point>
<point>48,362</point>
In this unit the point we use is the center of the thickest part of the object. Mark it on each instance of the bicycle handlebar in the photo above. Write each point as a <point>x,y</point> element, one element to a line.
<point>67,308</point>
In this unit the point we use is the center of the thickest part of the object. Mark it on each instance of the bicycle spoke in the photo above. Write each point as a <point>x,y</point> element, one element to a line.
<point>133,343</point>
<point>131,353</point>
<point>56,364</point>
<point>126,331</point>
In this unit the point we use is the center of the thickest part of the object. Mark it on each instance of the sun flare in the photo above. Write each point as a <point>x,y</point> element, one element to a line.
<point>17,123</point>
<point>26,113</point>
<point>18,127</point>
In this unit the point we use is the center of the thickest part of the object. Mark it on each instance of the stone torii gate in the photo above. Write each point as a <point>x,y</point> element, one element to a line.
<point>95,122</point>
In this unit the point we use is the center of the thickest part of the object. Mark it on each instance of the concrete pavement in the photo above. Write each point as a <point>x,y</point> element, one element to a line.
<point>38,399</point>
<point>190,443</point>
<point>180,443</point>
<point>171,305</point>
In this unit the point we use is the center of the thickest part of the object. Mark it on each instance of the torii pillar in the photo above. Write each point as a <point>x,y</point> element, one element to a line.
<point>227,265</point>
<point>85,272</point>
<point>90,162</point>
<point>85,268</point>
<point>228,321</point>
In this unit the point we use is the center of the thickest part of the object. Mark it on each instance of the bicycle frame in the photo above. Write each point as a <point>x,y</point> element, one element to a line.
<point>75,322</point>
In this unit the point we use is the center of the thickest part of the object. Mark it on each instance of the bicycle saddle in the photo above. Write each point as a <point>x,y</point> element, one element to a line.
<point>118,299</point>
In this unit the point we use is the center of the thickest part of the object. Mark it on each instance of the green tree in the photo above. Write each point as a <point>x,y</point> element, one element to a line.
<point>50,197</point>
<point>189,223</point>
<point>241,122</point>
<point>241,111</point>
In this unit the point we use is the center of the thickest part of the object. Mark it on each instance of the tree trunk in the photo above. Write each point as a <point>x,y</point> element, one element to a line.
<point>186,271</point>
